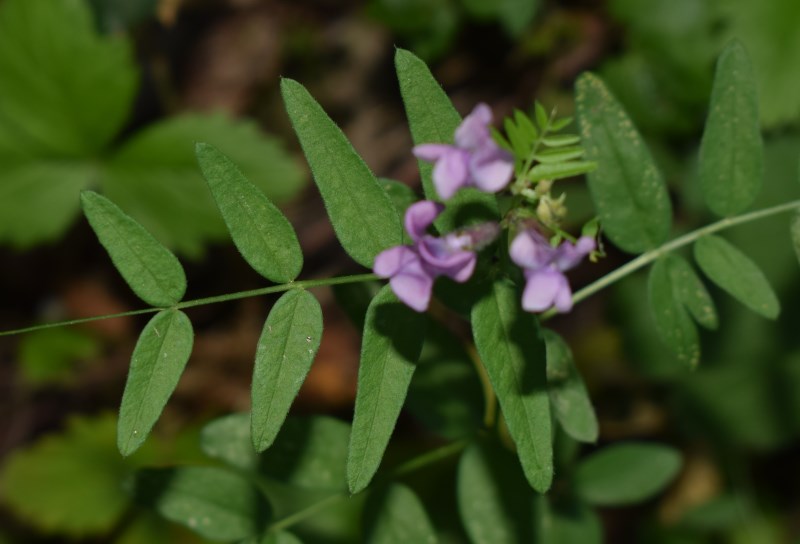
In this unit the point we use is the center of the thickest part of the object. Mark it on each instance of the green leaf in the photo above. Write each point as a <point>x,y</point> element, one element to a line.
<point>309,453</point>
<point>513,354</point>
<point>286,349</point>
<point>560,124</point>
<point>794,230</point>
<point>731,154</point>
<point>568,396</point>
<point>213,502</point>
<point>516,15</point>
<point>282,537</point>
<point>154,274</point>
<point>560,154</point>
<point>401,194</point>
<point>734,272</point>
<point>542,117</point>
<point>68,483</point>
<point>627,188</point>
<point>561,140</point>
<point>570,523</point>
<point>494,501</point>
<point>446,393</point>
<point>154,176</point>
<point>626,473</point>
<point>396,516</point>
<point>560,170</point>
<point>66,91</point>
<point>672,319</point>
<point>228,439</point>
<point>157,363</point>
<point>526,125</point>
<point>393,336</point>
<point>432,119</point>
<point>51,355</point>
<point>362,214</point>
<point>260,231</point>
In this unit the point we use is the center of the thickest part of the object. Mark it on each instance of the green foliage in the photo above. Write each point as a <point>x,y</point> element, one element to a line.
<point>214,502</point>
<point>393,335</point>
<point>151,270</point>
<point>433,119</point>
<point>734,272</point>
<point>794,229</point>
<point>157,363</point>
<point>676,296</point>
<point>228,439</point>
<point>626,473</point>
<point>361,212</point>
<point>514,356</point>
<point>287,346</point>
<point>570,522</point>
<point>731,154</point>
<point>493,499</point>
<point>50,355</point>
<point>395,516</point>
<point>58,123</point>
<point>260,231</point>
<point>569,399</point>
<point>628,190</point>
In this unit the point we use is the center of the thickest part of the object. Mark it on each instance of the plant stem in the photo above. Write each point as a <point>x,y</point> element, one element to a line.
<point>305,284</point>
<point>646,258</point>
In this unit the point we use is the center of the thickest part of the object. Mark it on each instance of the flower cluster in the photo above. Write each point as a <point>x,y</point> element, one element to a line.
<point>474,161</point>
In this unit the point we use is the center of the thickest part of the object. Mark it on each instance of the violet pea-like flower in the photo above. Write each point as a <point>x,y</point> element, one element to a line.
<point>412,269</point>
<point>544,267</point>
<point>474,161</point>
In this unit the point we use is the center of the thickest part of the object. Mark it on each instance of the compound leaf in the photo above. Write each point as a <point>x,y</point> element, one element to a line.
<point>396,516</point>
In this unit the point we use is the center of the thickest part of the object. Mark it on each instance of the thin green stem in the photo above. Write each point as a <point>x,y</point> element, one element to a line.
<point>300,515</point>
<point>646,258</point>
<point>305,284</point>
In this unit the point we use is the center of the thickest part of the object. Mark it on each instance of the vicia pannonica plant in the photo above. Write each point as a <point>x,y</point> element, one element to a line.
<point>490,245</point>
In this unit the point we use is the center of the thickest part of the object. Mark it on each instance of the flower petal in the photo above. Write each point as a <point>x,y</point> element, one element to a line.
<point>419,216</point>
<point>531,250</point>
<point>491,168</point>
<point>413,287</point>
<point>474,129</point>
<point>542,289</point>
<point>451,173</point>
<point>568,255</point>
<point>431,152</point>
<point>391,261</point>
<point>439,259</point>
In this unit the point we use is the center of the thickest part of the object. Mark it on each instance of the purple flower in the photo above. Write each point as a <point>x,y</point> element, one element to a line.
<point>476,160</point>
<point>412,269</point>
<point>544,267</point>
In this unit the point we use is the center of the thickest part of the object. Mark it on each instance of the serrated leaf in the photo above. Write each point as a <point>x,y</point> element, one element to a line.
<point>794,230</point>
<point>737,274</point>
<point>287,346</point>
<point>213,502</point>
<point>513,354</point>
<point>157,363</point>
<point>559,154</point>
<point>309,453</point>
<point>494,501</point>
<point>561,170</point>
<point>626,473</point>
<point>432,119</point>
<point>672,319</point>
<point>568,396</point>
<point>150,269</point>
<point>731,164</point>
<point>155,177</point>
<point>392,342</point>
<point>361,212</point>
<point>561,140</point>
<point>260,231</point>
<point>396,516</point>
<point>627,188</point>
<point>228,439</point>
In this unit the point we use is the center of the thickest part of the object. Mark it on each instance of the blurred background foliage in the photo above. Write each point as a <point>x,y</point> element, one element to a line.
<point>112,94</point>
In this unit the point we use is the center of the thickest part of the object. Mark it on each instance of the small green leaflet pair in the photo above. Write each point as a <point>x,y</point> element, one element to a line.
<point>634,207</point>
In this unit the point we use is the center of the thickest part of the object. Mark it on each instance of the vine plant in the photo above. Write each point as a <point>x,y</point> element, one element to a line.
<point>505,182</point>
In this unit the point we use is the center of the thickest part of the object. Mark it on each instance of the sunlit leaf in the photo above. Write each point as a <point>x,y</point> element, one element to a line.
<point>363,216</point>
<point>396,516</point>
<point>627,188</point>
<point>494,501</point>
<point>260,231</point>
<point>157,363</point>
<point>432,119</point>
<point>213,502</point>
<point>514,356</point>
<point>151,270</point>
<point>309,453</point>
<point>393,336</point>
<point>731,154</point>
<point>568,396</point>
<point>626,473</point>
<point>737,274</point>
<point>287,346</point>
